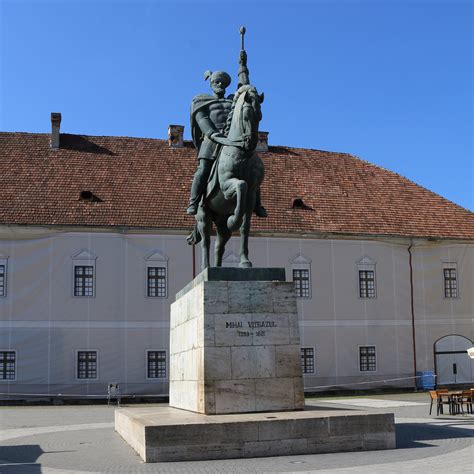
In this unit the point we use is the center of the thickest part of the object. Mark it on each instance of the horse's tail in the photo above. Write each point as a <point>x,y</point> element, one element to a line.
<point>194,237</point>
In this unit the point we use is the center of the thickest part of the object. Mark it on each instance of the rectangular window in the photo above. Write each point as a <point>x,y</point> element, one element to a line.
<point>83,280</point>
<point>301,281</point>
<point>87,364</point>
<point>2,280</point>
<point>307,360</point>
<point>450,283</point>
<point>366,283</point>
<point>7,365</point>
<point>156,282</point>
<point>156,368</point>
<point>367,359</point>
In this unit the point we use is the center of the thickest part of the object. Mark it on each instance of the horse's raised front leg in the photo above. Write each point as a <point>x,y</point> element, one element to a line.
<point>236,188</point>
<point>223,236</point>
<point>204,223</point>
<point>245,230</point>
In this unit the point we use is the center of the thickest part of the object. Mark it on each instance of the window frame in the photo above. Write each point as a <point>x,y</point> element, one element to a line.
<point>299,291</point>
<point>4,263</point>
<point>84,258</point>
<point>366,264</point>
<point>366,290</point>
<point>156,259</point>
<point>157,279</point>
<point>84,278</point>
<point>300,262</point>
<point>450,266</point>
<point>77,365</point>
<point>15,366</point>
<point>313,348</point>
<point>166,365</point>
<point>360,360</point>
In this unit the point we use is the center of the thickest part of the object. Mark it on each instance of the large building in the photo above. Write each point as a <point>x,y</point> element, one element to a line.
<point>93,250</point>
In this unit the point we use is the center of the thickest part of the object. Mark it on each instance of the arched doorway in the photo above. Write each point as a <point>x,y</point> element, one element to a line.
<point>453,365</point>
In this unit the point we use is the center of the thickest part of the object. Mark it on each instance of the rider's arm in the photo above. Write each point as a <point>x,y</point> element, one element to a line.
<point>243,70</point>
<point>205,124</point>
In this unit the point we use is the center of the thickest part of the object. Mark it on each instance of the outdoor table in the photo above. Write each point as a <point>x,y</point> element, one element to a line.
<point>454,404</point>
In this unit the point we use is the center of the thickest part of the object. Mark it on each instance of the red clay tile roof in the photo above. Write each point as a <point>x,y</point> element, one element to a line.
<point>144,183</point>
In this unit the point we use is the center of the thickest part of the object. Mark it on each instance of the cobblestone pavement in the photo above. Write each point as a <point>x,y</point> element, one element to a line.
<point>81,439</point>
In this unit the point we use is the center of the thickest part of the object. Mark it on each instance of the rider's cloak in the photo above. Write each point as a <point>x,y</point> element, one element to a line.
<point>198,102</point>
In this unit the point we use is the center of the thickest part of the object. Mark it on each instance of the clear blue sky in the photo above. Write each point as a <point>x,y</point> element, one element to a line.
<point>390,81</point>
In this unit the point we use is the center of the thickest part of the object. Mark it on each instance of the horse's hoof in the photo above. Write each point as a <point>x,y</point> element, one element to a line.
<point>246,264</point>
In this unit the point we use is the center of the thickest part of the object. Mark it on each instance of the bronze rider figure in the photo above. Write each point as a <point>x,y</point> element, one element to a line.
<point>208,121</point>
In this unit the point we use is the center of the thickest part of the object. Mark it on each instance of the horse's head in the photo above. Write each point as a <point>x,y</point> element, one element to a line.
<point>253,100</point>
<point>246,115</point>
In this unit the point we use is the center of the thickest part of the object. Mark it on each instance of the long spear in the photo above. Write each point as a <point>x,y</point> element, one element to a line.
<point>242,35</point>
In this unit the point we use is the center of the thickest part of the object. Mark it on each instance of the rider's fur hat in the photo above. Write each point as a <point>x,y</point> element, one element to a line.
<point>223,76</point>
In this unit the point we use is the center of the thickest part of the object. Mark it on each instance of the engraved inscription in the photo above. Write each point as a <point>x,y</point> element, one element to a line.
<point>262,324</point>
<point>252,325</point>
<point>233,324</point>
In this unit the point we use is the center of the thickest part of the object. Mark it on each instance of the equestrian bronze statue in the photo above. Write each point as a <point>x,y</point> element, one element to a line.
<point>227,155</point>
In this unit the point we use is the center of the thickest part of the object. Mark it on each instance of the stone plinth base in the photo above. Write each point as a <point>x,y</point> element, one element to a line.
<point>234,343</point>
<point>160,434</point>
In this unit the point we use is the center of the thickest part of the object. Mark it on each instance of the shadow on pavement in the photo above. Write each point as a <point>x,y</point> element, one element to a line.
<point>318,407</point>
<point>412,435</point>
<point>325,405</point>
<point>21,468</point>
<point>22,458</point>
<point>21,453</point>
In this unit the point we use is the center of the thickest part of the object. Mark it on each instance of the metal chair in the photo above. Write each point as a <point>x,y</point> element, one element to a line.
<point>466,399</point>
<point>444,399</point>
<point>434,396</point>
<point>113,390</point>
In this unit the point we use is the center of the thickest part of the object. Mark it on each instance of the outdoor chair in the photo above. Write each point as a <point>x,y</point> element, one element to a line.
<point>444,399</point>
<point>456,403</point>
<point>434,397</point>
<point>466,399</point>
<point>113,391</point>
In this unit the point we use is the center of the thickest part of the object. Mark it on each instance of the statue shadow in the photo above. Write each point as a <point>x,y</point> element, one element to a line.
<point>413,435</point>
<point>317,407</point>
<point>82,144</point>
<point>20,468</point>
<point>22,458</point>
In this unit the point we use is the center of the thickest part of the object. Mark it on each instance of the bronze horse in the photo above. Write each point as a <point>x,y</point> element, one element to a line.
<point>237,174</point>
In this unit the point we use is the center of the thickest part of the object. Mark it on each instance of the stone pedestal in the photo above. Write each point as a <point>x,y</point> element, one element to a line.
<point>234,343</point>
<point>236,387</point>
<point>161,434</point>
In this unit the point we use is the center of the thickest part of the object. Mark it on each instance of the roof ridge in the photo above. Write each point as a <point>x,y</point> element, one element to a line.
<point>308,149</point>
<point>87,135</point>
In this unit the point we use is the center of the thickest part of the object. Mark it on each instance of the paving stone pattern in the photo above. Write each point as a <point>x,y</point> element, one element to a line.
<point>27,445</point>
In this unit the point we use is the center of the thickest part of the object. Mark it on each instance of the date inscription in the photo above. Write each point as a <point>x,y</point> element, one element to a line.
<point>255,328</point>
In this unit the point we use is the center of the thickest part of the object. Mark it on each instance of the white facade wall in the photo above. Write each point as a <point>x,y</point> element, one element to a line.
<point>46,325</point>
<point>437,316</point>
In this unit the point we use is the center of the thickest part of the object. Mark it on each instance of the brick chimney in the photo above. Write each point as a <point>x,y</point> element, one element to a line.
<point>262,144</point>
<point>175,136</point>
<point>55,126</point>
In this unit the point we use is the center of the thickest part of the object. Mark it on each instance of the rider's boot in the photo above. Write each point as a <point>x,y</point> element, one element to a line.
<point>199,185</point>
<point>192,209</point>
<point>259,210</point>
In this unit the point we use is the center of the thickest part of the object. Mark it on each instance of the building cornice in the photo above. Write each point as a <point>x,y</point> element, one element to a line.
<point>23,231</point>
